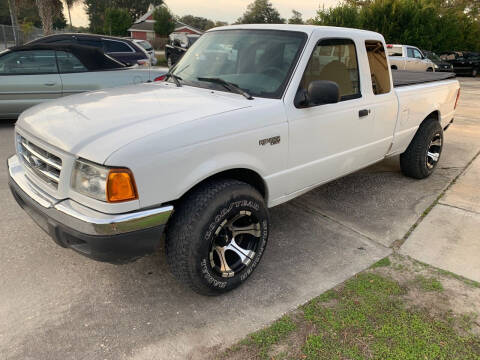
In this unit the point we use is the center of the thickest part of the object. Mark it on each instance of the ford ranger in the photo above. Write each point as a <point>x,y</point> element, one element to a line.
<point>251,117</point>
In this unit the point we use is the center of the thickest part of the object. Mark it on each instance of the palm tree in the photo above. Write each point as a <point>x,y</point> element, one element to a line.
<point>69,4</point>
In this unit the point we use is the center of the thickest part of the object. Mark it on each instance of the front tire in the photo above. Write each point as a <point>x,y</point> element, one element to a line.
<point>474,72</point>
<point>422,155</point>
<point>217,236</point>
<point>169,61</point>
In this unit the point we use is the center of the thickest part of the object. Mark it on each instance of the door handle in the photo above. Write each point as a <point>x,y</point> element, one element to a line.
<point>363,112</point>
<point>50,83</point>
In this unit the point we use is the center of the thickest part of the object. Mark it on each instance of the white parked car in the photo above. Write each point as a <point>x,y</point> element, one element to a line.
<point>406,57</point>
<point>201,157</point>
<point>32,74</point>
<point>148,49</point>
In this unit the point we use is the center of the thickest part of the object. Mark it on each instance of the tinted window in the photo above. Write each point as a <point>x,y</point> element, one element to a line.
<point>90,42</point>
<point>377,60</point>
<point>28,62</point>
<point>410,53</point>
<point>335,60</point>
<point>116,46</point>
<point>68,63</point>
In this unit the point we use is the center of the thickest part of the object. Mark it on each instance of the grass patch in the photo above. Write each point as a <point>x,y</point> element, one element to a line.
<point>381,263</point>
<point>265,338</point>
<point>368,317</point>
<point>428,283</point>
<point>371,321</point>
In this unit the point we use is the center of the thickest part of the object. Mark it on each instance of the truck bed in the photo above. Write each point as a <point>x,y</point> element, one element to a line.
<point>405,78</point>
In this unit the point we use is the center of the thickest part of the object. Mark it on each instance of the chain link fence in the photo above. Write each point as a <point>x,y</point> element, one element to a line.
<point>11,36</point>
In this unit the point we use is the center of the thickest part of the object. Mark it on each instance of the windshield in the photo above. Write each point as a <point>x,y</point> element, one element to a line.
<point>145,44</point>
<point>257,61</point>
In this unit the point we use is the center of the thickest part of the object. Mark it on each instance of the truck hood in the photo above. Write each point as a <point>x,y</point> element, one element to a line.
<point>95,124</point>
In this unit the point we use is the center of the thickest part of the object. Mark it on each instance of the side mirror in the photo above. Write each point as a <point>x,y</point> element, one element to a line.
<point>319,92</point>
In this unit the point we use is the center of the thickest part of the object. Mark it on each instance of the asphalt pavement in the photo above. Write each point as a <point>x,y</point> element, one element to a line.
<point>56,304</point>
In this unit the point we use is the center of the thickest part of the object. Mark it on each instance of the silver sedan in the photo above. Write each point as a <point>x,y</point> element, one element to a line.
<point>33,74</point>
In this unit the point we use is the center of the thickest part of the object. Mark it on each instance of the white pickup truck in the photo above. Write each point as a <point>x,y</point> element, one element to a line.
<point>410,58</point>
<point>252,116</point>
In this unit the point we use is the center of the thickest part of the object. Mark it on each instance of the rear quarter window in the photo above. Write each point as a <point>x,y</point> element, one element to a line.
<point>394,51</point>
<point>112,46</point>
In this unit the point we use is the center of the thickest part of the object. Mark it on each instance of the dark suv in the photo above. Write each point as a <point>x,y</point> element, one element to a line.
<point>464,62</point>
<point>122,50</point>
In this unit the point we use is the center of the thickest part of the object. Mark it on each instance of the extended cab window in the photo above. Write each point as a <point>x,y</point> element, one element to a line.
<point>335,60</point>
<point>68,63</point>
<point>394,50</point>
<point>377,60</point>
<point>28,63</point>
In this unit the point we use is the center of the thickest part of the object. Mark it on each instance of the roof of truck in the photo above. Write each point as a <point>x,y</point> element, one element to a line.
<point>303,28</point>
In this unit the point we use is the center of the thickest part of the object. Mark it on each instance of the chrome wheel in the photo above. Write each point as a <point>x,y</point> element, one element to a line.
<point>434,150</point>
<point>169,62</point>
<point>234,244</point>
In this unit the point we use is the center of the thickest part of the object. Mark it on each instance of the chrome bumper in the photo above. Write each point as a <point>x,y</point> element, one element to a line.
<point>76,216</point>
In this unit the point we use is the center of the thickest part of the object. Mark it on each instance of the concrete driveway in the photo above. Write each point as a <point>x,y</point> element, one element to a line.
<point>55,304</point>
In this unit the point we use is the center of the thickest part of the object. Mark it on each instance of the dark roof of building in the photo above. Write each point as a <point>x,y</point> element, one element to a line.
<point>91,57</point>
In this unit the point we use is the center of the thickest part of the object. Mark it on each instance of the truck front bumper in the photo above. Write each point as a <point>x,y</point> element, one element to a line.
<point>115,238</point>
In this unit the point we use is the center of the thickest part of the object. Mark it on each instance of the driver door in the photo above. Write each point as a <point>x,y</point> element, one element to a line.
<point>331,140</point>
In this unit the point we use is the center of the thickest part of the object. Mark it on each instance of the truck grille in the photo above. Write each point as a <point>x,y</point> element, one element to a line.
<point>43,164</point>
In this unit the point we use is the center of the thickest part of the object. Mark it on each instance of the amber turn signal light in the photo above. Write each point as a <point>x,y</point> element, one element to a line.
<point>121,186</point>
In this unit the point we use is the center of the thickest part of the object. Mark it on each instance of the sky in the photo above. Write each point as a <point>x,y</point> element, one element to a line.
<point>224,10</point>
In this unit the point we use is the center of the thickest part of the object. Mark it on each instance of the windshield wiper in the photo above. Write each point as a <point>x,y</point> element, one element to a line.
<point>176,79</point>
<point>228,85</point>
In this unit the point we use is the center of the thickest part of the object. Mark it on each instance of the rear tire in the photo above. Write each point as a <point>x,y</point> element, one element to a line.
<point>422,155</point>
<point>217,236</point>
<point>430,69</point>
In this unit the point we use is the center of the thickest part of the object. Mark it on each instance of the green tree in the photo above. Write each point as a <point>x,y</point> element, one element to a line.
<point>296,18</point>
<point>261,12</point>
<point>197,22</point>
<point>164,21</point>
<point>117,22</point>
<point>96,10</point>
<point>428,24</point>
<point>343,15</point>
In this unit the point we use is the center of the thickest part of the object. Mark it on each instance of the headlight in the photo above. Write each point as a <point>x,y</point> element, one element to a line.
<point>435,66</point>
<point>102,183</point>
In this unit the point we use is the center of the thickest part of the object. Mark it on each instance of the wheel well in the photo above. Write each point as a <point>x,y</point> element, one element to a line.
<point>246,175</point>
<point>393,67</point>
<point>434,115</point>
